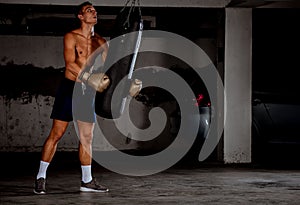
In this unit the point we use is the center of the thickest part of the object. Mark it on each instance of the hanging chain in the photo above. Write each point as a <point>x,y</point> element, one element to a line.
<point>132,7</point>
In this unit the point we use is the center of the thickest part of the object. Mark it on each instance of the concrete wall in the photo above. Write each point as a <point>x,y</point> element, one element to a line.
<point>32,68</point>
<point>40,51</point>
<point>24,120</point>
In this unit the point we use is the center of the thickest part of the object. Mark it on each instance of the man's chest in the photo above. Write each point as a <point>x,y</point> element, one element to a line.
<point>85,47</point>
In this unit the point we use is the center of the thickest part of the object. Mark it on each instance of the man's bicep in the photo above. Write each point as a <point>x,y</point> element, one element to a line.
<point>69,55</point>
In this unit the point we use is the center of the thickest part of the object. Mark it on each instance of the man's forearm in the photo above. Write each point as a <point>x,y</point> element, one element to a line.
<point>73,68</point>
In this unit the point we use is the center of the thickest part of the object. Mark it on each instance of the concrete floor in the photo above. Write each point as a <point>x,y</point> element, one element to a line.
<point>202,184</point>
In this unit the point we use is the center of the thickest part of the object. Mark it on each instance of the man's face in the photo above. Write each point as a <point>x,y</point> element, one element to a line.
<point>88,14</point>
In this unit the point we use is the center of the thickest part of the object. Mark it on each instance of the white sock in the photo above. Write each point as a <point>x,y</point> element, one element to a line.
<point>42,170</point>
<point>86,173</point>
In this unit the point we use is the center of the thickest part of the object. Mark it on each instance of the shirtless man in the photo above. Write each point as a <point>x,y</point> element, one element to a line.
<point>79,44</point>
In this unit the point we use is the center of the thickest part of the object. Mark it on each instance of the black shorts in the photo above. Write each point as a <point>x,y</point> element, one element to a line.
<point>71,101</point>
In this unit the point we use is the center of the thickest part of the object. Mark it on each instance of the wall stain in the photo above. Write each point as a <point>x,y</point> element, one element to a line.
<point>4,58</point>
<point>17,122</point>
<point>47,101</point>
<point>25,82</point>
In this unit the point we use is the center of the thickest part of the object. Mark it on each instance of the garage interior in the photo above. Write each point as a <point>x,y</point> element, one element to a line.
<point>249,42</point>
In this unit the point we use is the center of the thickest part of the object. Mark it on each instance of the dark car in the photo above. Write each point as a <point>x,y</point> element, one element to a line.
<point>275,129</point>
<point>158,97</point>
<point>275,85</point>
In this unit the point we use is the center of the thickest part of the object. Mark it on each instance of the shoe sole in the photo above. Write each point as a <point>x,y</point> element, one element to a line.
<point>84,189</point>
<point>39,193</point>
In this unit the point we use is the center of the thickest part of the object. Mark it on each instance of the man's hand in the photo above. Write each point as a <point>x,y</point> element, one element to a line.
<point>98,81</point>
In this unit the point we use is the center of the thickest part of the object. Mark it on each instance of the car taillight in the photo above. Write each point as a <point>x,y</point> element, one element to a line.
<point>200,101</point>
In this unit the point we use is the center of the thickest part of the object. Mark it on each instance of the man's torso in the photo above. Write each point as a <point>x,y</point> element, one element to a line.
<point>84,47</point>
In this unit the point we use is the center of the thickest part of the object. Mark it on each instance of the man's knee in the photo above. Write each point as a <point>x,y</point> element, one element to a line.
<point>86,137</point>
<point>57,133</point>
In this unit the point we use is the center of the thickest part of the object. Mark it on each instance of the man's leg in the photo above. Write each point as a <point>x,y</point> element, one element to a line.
<point>57,131</point>
<point>85,130</point>
<point>88,184</point>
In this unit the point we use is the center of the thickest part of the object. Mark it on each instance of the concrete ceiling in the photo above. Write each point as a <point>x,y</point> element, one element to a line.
<point>264,3</point>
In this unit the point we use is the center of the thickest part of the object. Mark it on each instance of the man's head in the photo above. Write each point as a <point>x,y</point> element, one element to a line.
<point>80,7</point>
<point>86,12</point>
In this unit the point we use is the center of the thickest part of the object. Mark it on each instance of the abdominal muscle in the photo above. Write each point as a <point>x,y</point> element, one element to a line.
<point>84,48</point>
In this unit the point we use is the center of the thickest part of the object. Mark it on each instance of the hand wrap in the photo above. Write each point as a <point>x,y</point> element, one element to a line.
<point>135,87</point>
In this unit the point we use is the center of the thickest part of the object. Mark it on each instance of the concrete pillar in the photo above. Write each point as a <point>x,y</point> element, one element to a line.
<point>237,84</point>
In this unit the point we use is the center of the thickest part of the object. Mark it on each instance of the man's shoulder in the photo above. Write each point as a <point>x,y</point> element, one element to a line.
<point>99,38</point>
<point>72,33</point>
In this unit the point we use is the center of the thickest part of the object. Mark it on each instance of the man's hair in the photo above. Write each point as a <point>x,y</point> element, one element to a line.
<point>79,7</point>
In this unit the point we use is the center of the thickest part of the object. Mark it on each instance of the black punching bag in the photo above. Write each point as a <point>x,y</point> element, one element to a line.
<point>128,20</point>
